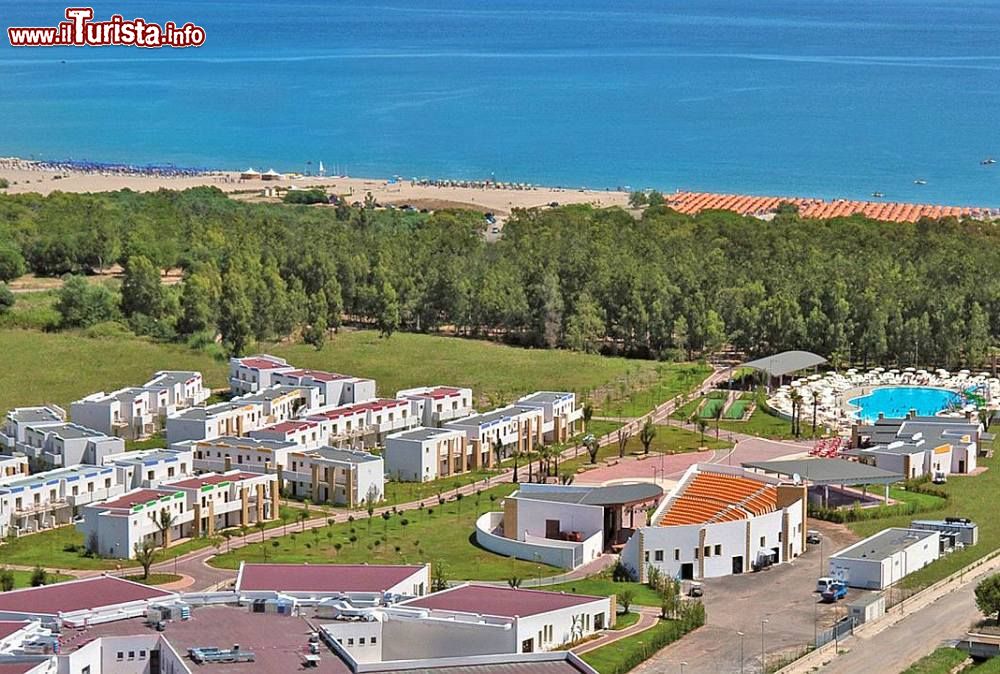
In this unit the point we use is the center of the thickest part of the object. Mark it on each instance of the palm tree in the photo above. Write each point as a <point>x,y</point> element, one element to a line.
<point>498,454</point>
<point>517,455</point>
<point>796,399</point>
<point>623,438</point>
<point>702,425</point>
<point>588,414</point>
<point>593,447</point>
<point>164,522</point>
<point>815,404</point>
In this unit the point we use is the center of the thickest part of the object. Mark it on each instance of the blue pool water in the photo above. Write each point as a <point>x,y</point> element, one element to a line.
<point>897,401</point>
<point>805,97</point>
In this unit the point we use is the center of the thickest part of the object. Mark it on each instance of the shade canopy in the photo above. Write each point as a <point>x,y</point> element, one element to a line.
<point>786,362</point>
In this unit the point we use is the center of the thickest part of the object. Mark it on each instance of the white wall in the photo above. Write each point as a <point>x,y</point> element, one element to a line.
<point>877,574</point>
<point>563,554</point>
<point>568,624</point>
<point>419,638</point>
<point>532,513</point>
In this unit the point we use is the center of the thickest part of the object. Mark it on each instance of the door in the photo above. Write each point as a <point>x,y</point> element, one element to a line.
<point>528,646</point>
<point>738,564</point>
<point>154,661</point>
<point>775,555</point>
<point>961,465</point>
<point>598,621</point>
<point>552,529</point>
<point>687,571</point>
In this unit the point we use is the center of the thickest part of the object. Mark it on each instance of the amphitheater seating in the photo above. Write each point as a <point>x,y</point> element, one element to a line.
<point>714,497</point>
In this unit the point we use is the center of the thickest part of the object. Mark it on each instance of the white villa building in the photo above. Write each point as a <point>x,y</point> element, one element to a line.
<point>513,426</point>
<point>20,419</point>
<point>718,521</point>
<point>197,506</point>
<point>422,454</point>
<point>66,444</point>
<point>125,413</point>
<point>915,446</point>
<point>242,414</point>
<point>151,467</point>
<point>335,390</point>
<point>434,405</point>
<point>254,373</point>
<point>559,410</point>
<point>51,498</point>
<point>184,388</point>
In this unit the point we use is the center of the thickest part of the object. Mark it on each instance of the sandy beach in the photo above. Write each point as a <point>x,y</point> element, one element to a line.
<point>24,176</point>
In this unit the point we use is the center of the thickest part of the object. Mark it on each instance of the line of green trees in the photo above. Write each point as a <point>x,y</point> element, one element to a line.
<point>663,285</point>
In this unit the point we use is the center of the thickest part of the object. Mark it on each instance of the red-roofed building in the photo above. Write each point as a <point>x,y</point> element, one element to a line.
<point>539,620</point>
<point>335,389</point>
<point>306,433</point>
<point>195,506</point>
<point>73,596</point>
<point>437,404</point>
<point>322,580</point>
<point>254,373</point>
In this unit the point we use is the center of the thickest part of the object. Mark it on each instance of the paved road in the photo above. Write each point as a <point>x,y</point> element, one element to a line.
<point>895,648</point>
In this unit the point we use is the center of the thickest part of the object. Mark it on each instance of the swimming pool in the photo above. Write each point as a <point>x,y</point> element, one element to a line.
<point>897,401</point>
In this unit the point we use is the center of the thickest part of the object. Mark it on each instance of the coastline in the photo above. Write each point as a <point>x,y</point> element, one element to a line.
<point>26,176</point>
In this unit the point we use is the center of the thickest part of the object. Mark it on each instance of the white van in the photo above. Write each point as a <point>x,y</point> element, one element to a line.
<point>823,583</point>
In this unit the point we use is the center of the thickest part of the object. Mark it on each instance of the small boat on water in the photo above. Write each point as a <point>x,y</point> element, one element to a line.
<point>988,161</point>
<point>919,181</point>
<point>878,195</point>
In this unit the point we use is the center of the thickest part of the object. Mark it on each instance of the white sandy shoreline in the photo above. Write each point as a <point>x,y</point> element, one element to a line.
<point>25,176</point>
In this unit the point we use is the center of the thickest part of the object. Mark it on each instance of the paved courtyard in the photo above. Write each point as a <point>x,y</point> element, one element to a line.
<point>783,595</point>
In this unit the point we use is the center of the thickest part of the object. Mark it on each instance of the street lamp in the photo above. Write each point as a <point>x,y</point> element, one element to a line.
<point>763,654</point>
<point>683,665</point>
<point>741,651</point>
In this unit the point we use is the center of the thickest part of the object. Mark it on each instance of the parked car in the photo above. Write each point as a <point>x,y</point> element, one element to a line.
<point>696,590</point>
<point>939,477</point>
<point>814,537</point>
<point>836,590</point>
<point>823,583</point>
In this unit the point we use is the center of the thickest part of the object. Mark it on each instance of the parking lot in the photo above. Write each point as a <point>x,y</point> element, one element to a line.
<point>784,595</point>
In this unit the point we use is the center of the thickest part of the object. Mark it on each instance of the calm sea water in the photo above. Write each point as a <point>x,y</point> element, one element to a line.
<point>805,97</point>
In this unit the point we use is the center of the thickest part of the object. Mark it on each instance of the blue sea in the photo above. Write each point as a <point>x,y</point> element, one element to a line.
<point>785,97</point>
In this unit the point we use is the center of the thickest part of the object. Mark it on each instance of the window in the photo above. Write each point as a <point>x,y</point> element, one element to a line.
<point>718,550</point>
<point>121,655</point>
<point>374,641</point>
<point>779,536</point>
<point>142,655</point>
<point>361,641</point>
<point>658,556</point>
<point>708,550</point>
<point>131,655</point>
<point>677,554</point>
<point>645,555</point>
<point>696,553</point>
<point>350,641</point>
<point>763,541</point>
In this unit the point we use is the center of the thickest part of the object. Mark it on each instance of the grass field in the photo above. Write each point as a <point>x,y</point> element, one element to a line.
<point>941,661</point>
<point>23,578</point>
<point>33,311</point>
<point>444,536</point>
<point>155,578</point>
<point>669,439</point>
<point>637,391</point>
<point>625,620</point>
<point>737,410</point>
<point>711,406</point>
<point>603,586</point>
<point>404,492</point>
<point>62,367</point>
<point>496,373</point>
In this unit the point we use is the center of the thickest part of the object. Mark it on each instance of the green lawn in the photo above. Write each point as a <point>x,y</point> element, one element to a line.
<point>622,655</point>
<point>625,620</point>
<point>155,578</point>
<point>442,537</point>
<point>496,373</point>
<point>637,391</point>
<point>711,406</point>
<point>67,366</point>
<point>669,439</point>
<point>972,497</point>
<point>63,548</point>
<point>405,492</point>
<point>602,586</point>
<point>737,410</point>
<point>941,661</point>
<point>765,425</point>
<point>23,578</point>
